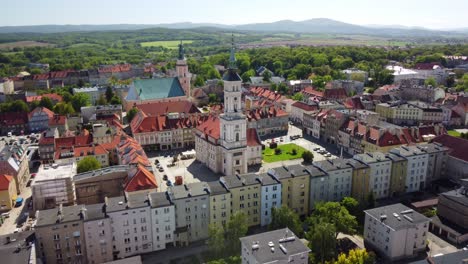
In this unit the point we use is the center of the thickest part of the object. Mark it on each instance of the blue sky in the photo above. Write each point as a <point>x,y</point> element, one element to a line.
<point>423,13</point>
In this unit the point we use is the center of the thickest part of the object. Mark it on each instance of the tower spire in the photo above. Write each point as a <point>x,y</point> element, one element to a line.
<point>181,51</point>
<point>232,57</point>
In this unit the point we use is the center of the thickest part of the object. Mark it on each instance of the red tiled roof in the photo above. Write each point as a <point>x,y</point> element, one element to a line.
<point>354,103</point>
<point>267,94</point>
<point>142,180</point>
<point>264,113</point>
<point>13,118</point>
<point>309,91</point>
<point>115,68</point>
<point>305,107</point>
<point>5,182</point>
<point>131,152</point>
<point>210,127</point>
<point>32,98</point>
<point>54,97</point>
<point>388,139</point>
<point>252,138</point>
<point>455,114</point>
<point>160,108</point>
<point>337,93</point>
<point>89,150</point>
<point>457,145</point>
<point>58,120</point>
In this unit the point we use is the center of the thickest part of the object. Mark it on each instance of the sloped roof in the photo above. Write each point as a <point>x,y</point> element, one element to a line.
<point>142,180</point>
<point>13,118</point>
<point>309,91</point>
<point>252,137</point>
<point>265,113</point>
<point>160,108</point>
<point>210,127</point>
<point>159,88</point>
<point>458,146</point>
<point>40,109</point>
<point>304,106</point>
<point>5,181</point>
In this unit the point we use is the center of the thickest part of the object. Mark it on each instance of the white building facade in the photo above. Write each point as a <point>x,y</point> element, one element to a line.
<point>416,173</point>
<point>162,220</point>
<point>380,172</point>
<point>270,197</point>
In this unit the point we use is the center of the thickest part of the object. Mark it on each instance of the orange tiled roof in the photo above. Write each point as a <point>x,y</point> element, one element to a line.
<point>141,180</point>
<point>252,137</point>
<point>5,182</point>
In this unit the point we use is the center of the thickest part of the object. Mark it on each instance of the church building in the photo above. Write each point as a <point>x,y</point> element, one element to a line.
<point>171,89</point>
<point>222,142</point>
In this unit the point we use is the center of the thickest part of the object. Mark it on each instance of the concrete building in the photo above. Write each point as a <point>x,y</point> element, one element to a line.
<point>360,189</point>
<point>270,197</point>
<point>278,246</point>
<point>416,168</point>
<point>14,162</point>
<point>162,220</point>
<point>457,160</point>
<point>25,241</point>
<point>93,92</point>
<point>131,224</point>
<point>436,165</point>
<point>399,174</point>
<point>396,231</point>
<point>295,184</point>
<point>319,182</point>
<point>380,173</point>
<point>60,235</point>
<point>246,195</point>
<point>192,208</point>
<point>340,175</point>
<point>97,227</point>
<point>220,204</point>
<point>451,221</point>
<point>39,119</point>
<point>299,109</point>
<point>53,186</point>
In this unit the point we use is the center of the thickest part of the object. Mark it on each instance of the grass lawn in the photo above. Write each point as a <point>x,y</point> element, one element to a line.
<point>286,149</point>
<point>453,133</point>
<point>170,44</point>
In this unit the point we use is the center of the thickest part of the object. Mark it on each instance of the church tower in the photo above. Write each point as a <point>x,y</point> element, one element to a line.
<point>233,122</point>
<point>182,71</point>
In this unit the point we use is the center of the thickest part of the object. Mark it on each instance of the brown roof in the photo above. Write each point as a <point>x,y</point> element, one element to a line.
<point>252,137</point>
<point>305,107</point>
<point>210,127</point>
<point>161,108</point>
<point>141,180</point>
<point>458,146</point>
<point>309,91</point>
<point>13,118</point>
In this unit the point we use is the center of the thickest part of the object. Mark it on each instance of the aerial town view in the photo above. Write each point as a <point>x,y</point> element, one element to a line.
<point>241,132</point>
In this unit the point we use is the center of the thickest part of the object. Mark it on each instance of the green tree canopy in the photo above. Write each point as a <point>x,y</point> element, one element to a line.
<point>216,240</point>
<point>307,156</point>
<point>236,228</point>
<point>109,93</point>
<point>46,102</point>
<point>115,100</point>
<point>63,108</point>
<point>336,214</point>
<point>322,240</point>
<point>298,97</point>
<point>101,100</point>
<point>285,217</point>
<point>430,81</point>
<point>15,106</point>
<point>79,100</point>
<point>266,76</point>
<point>131,114</point>
<point>88,163</point>
<point>355,256</point>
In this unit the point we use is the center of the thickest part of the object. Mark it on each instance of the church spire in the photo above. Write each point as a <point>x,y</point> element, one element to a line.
<point>232,58</point>
<point>181,51</point>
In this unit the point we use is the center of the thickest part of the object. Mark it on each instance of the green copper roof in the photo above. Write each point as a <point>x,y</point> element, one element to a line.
<point>158,88</point>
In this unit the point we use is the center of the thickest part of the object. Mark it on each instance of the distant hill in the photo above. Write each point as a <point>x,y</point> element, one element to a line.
<point>316,25</point>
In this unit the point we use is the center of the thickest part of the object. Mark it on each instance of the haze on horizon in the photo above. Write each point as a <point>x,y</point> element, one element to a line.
<point>412,13</point>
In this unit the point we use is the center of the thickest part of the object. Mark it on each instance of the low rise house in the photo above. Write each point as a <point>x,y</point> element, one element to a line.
<point>396,231</point>
<point>278,246</point>
<point>14,122</point>
<point>8,192</point>
<point>39,119</point>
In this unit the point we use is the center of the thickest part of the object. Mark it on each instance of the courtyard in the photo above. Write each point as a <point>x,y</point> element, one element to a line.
<point>282,152</point>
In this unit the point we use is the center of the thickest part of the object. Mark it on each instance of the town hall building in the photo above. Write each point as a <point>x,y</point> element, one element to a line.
<point>222,142</point>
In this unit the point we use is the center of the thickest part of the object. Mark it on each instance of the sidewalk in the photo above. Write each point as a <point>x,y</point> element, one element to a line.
<point>175,253</point>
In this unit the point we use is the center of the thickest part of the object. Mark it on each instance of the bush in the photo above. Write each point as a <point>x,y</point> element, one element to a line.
<point>273,145</point>
<point>294,152</point>
<point>277,151</point>
<point>307,156</point>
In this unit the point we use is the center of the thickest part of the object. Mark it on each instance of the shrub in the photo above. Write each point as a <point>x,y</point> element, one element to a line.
<point>273,145</point>
<point>294,152</point>
<point>307,156</point>
<point>277,151</point>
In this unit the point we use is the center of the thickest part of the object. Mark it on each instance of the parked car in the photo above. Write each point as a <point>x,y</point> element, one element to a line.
<point>165,177</point>
<point>156,161</point>
<point>5,215</point>
<point>161,169</point>
<point>328,155</point>
<point>17,230</point>
<point>316,149</point>
<point>169,183</point>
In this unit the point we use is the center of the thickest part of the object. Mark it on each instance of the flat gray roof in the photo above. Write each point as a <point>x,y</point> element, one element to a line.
<point>405,217</point>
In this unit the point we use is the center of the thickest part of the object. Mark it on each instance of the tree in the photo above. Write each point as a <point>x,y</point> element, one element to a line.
<point>370,200</point>
<point>63,108</point>
<point>285,217</point>
<point>212,98</point>
<point>430,81</point>
<point>320,81</point>
<point>15,106</point>
<point>246,75</point>
<point>355,256</point>
<point>79,100</point>
<point>307,156</point>
<point>351,204</point>
<point>322,241</point>
<point>88,163</point>
<point>115,100</point>
<point>298,97</point>
<point>216,240</point>
<point>46,102</point>
<point>266,76</point>
<point>336,214</point>
<point>109,93</point>
<point>101,100</point>
<point>277,151</point>
<point>131,114</point>
<point>236,228</point>
<point>294,152</point>
<point>462,85</point>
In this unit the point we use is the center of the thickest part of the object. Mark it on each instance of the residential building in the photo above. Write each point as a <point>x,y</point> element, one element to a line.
<point>93,92</point>
<point>457,160</point>
<point>131,224</point>
<point>192,206</point>
<point>90,113</point>
<point>140,179</point>
<point>59,122</point>
<point>436,165</point>
<point>60,235</point>
<point>278,246</point>
<point>319,182</point>
<point>311,125</point>
<point>183,107</point>
<point>270,197</point>
<point>399,174</point>
<point>39,119</point>
<point>451,220</point>
<point>93,187</point>
<point>162,220</point>
<point>13,122</point>
<point>254,147</point>
<point>47,144</point>
<point>458,257</point>
<point>6,86</point>
<point>340,175</point>
<point>416,168</point>
<point>8,192</point>
<point>295,184</point>
<point>461,108</point>
<point>380,173</point>
<point>97,227</point>
<point>220,204</point>
<point>14,162</point>
<point>360,187</point>
<point>430,114</point>
<point>25,241</point>
<point>298,109</point>
<point>268,120</point>
<point>53,186</point>
<point>246,193</point>
<point>400,113</point>
<point>413,89</point>
<point>396,231</point>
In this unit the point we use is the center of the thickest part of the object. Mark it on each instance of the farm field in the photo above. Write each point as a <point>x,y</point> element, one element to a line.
<point>24,44</point>
<point>170,44</point>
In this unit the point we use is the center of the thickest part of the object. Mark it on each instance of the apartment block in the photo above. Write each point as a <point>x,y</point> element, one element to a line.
<point>270,197</point>
<point>340,175</point>
<point>162,220</point>
<point>416,168</point>
<point>220,204</point>
<point>380,172</point>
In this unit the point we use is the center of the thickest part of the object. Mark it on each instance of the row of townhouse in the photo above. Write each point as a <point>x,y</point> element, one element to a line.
<point>411,113</point>
<point>191,208</point>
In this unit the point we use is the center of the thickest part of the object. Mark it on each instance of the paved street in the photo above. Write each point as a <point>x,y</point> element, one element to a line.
<point>17,214</point>
<point>439,246</point>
